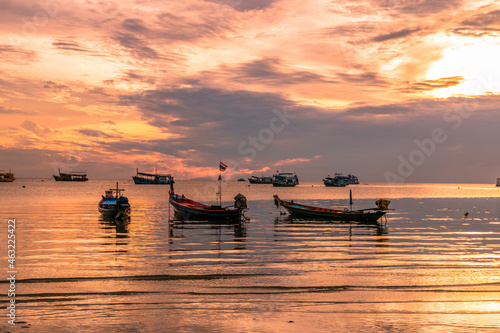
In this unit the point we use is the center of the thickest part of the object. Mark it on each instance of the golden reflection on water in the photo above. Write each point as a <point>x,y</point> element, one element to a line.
<point>430,268</point>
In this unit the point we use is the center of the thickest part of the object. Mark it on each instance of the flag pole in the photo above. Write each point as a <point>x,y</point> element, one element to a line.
<point>220,182</point>
<point>220,187</point>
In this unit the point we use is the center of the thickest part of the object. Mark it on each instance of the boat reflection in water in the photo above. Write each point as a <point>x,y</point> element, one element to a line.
<point>181,228</point>
<point>361,215</point>
<point>116,229</point>
<point>337,227</point>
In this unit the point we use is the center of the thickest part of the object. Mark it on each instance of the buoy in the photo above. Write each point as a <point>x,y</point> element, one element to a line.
<point>466,214</point>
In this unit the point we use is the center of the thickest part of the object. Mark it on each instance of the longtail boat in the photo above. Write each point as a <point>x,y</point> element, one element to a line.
<point>113,205</point>
<point>192,210</point>
<point>195,211</point>
<point>370,214</point>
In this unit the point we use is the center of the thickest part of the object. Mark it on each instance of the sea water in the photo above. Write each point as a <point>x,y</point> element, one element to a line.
<point>432,266</point>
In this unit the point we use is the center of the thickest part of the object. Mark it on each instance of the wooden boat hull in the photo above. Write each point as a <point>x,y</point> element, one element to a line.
<point>283,185</point>
<point>192,210</point>
<point>334,214</point>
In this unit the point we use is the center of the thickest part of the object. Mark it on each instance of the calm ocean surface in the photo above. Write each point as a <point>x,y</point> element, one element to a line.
<point>429,269</point>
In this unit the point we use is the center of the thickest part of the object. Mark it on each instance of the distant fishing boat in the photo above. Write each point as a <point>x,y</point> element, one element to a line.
<point>192,210</point>
<point>340,180</point>
<point>113,205</point>
<point>72,176</point>
<point>152,178</point>
<point>333,181</point>
<point>241,179</point>
<point>6,176</point>
<point>285,179</point>
<point>498,181</point>
<point>260,180</point>
<point>364,215</point>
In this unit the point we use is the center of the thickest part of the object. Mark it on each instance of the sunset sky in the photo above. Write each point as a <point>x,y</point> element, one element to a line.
<point>386,90</point>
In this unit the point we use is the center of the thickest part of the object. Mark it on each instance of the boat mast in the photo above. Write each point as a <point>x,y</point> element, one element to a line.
<point>350,199</point>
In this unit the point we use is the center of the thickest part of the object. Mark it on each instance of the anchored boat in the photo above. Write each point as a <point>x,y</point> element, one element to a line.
<point>152,178</point>
<point>72,176</point>
<point>191,210</point>
<point>339,180</point>
<point>260,180</point>
<point>364,215</point>
<point>113,205</point>
<point>6,176</point>
<point>285,179</point>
